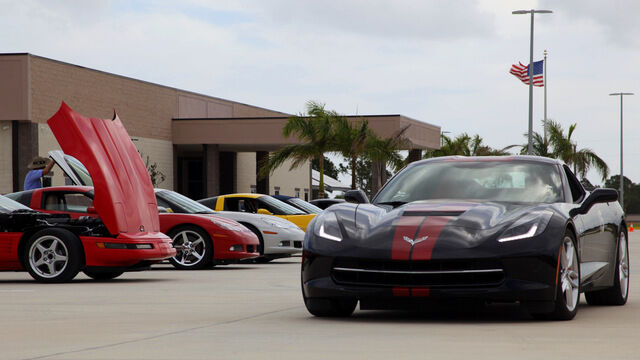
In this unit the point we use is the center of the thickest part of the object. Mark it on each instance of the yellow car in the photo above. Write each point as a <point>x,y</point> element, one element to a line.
<point>259,204</point>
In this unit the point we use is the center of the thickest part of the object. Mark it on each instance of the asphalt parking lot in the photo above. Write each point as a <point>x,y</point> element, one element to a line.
<point>256,312</point>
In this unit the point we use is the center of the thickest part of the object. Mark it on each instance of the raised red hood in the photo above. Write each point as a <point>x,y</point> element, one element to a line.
<point>124,196</point>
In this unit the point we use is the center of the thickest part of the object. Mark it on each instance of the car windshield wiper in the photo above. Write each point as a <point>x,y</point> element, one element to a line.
<point>395,204</point>
<point>204,212</point>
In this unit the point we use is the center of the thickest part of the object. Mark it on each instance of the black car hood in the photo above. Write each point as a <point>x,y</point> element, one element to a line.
<point>424,229</point>
<point>472,215</point>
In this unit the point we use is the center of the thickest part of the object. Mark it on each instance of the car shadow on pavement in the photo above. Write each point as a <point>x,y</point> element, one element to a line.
<point>476,314</point>
<point>84,280</point>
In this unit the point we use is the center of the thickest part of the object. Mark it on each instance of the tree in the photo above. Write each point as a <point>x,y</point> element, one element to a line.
<point>350,140</point>
<point>564,148</point>
<point>465,145</point>
<point>631,193</point>
<point>363,172</point>
<point>157,176</point>
<point>330,169</point>
<point>315,131</point>
<point>383,152</point>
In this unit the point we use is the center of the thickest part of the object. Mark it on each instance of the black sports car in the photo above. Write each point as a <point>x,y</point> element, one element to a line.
<point>496,229</point>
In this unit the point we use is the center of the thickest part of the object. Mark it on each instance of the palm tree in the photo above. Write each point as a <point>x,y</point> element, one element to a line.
<point>350,140</point>
<point>383,152</point>
<point>316,132</point>
<point>564,148</point>
<point>466,145</point>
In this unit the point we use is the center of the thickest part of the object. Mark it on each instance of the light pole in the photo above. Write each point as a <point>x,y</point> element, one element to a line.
<point>532,11</point>
<point>442,137</point>
<point>621,94</point>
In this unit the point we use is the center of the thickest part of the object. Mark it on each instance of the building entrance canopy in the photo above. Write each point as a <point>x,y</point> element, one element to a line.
<point>265,133</point>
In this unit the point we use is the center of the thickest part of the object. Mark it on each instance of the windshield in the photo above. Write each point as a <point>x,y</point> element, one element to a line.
<point>7,205</point>
<point>280,207</point>
<point>308,207</point>
<point>182,204</point>
<point>512,181</point>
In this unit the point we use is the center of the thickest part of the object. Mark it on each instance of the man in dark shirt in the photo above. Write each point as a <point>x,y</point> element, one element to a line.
<point>40,167</point>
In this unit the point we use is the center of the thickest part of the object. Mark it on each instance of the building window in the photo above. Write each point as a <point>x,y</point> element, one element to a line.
<point>253,189</point>
<point>276,190</point>
<point>306,194</point>
<point>297,191</point>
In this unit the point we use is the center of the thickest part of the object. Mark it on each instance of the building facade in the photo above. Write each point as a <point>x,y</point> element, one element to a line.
<point>204,145</point>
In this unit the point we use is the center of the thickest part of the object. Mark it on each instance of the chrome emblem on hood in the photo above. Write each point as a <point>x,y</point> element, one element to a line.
<point>416,241</point>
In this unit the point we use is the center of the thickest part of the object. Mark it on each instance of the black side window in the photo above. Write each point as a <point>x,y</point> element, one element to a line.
<point>164,204</point>
<point>577,192</point>
<point>230,204</point>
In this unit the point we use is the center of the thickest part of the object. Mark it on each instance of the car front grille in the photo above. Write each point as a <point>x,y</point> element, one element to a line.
<point>423,273</point>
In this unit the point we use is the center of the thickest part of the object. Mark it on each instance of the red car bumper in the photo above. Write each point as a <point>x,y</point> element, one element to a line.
<point>241,245</point>
<point>127,250</point>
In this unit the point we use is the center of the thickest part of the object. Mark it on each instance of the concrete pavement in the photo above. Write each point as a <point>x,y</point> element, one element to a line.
<point>256,312</point>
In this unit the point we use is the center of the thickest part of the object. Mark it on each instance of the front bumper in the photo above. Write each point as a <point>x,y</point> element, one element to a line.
<point>285,242</point>
<point>97,255</point>
<point>524,279</point>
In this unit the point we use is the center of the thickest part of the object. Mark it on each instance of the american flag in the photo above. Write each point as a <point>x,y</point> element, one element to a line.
<point>522,72</point>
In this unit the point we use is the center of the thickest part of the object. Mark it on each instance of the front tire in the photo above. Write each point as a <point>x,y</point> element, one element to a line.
<point>568,282</point>
<point>331,307</point>
<point>53,255</point>
<point>195,248</point>
<point>619,292</point>
<point>328,307</point>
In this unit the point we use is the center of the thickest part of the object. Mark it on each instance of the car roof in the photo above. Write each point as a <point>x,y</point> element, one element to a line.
<point>507,158</point>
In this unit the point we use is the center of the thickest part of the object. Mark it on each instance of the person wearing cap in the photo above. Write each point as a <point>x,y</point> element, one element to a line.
<point>40,167</point>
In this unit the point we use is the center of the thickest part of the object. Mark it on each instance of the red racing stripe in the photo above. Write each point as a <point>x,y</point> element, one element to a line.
<point>431,228</point>
<point>401,291</point>
<point>405,226</point>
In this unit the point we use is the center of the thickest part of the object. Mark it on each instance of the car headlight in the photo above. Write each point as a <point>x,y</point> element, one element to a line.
<point>327,227</point>
<point>226,226</point>
<point>527,227</point>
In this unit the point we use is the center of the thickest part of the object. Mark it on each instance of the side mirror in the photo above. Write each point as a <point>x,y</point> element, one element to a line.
<point>356,196</point>
<point>91,210</point>
<point>595,197</point>
<point>264,212</point>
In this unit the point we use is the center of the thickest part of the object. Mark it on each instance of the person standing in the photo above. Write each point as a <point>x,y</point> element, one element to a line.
<point>40,167</point>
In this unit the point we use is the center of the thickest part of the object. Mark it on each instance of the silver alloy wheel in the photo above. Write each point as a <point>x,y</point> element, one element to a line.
<point>48,256</point>
<point>623,264</point>
<point>191,247</point>
<point>569,274</point>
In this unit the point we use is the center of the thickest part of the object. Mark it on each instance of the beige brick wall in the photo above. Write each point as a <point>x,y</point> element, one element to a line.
<point>288,180</point>
<point>246,171</point>
<point>145,109</point>
<point>6,177</point>
<point>161,152</point>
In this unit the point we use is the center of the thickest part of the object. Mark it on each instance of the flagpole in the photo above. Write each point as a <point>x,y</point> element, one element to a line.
<point>530,71</point>
<point>545,95</point>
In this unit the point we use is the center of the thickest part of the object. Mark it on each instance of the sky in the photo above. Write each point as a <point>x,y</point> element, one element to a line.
<point>442,62</point>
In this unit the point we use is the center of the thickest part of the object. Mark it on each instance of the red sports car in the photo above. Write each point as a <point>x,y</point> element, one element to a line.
<point>201,240</point>
<point>54,247</point>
